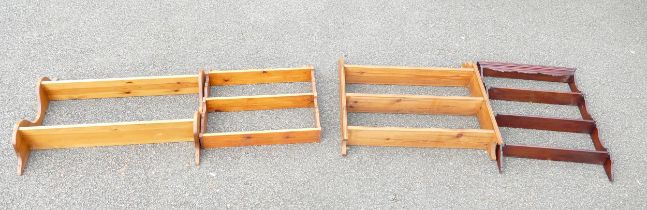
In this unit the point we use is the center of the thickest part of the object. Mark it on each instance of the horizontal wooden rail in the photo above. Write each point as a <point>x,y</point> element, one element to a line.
<point>413,104</point>
<point>394,75</point>
<point>264,102</point>
<point>546,153</point>
<point>545,123</point>
<point>123,87</point>
<point>421,137</point>
<point>535,96</point>
<point>106,134</point>
<point>258,76</point>
<point>556,154</point>
<point>525,76</point>
<point>235,139</point>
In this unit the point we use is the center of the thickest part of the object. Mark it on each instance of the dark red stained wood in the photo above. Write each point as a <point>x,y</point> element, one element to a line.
<point>582,106</point>
<point>518,75</point>
<point>555,154</point>
<point>607,168</point>
<point>596,140</point>
<point>528,68</point>
<point>544,123</point>
<point>499,158</point>
<point>535,96</point>
<point>547,153</point>
<point>551,74</point>
<point>525,71</point>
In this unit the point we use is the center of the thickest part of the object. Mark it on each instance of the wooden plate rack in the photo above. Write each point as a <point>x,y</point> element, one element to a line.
<point>575,98</point>
<point>486,138</point>
<point>31,135</point>
<point>259,102</point>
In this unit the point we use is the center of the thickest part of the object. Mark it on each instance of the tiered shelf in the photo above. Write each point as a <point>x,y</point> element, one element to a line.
<point>574,98</point>
<point>486,138</point>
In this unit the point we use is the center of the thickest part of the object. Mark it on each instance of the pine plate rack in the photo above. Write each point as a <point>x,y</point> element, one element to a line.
<point>476,104</point>
<point>259,102</point>
<point>32,135</point>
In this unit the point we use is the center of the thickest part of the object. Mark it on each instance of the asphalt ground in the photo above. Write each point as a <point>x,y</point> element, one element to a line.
<point>605,40</point>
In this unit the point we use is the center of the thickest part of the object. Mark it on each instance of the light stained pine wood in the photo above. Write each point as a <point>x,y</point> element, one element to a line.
<point>263,102</point>
<point>413,104</point>
<point>108,134</point>
<point>43,101</point>
<point>202,75</point>
<point>475,88</point>
<point>485,115</point>
<point>236,139</point>
<point>486,138</point>
<point>314,100</point>
<point>394,75</point>
<point>421,137</point>
<point>123,87</point>
<point>203,106</point>
<point>21,146</point>
<point>343,112</point>
<point>197,129</point>
<point>258,76</point>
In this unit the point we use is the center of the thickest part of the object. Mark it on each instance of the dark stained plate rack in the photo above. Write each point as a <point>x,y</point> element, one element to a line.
<point>574,98</point>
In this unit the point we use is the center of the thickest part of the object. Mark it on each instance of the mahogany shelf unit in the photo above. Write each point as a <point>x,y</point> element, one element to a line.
<point>476,104</point>
<point>258,102</point>
<point>575,98</point>
<point>31,135</point>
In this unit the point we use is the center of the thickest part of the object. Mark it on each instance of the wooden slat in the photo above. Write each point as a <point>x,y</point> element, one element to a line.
<point>517,75</point>
<point>201,85</point>
<point>108,134</point>
<point>421,137</point>
<point>535,96</point>
<point>203,106</point>
<point>124,87</point>
<point>394,75</point>
<point>545,123</point>
<point>264,102</point>
<point>527,72</point>
<point>236,139</point>
<point>258,76</point>
<point>528,69</point>
<point>316,103</point>
<point>556,154</point>
<point>342,99</point>
<point>413,104</point>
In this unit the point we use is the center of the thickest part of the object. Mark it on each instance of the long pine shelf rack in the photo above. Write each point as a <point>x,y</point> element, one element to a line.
<point>32,135</point>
